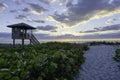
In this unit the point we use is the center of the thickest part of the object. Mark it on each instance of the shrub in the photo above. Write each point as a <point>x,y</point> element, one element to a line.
<point>117,55</point>
<point>48,61</point>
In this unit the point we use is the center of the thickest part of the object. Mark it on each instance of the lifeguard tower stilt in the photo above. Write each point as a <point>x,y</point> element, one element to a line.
<point>20,31</point>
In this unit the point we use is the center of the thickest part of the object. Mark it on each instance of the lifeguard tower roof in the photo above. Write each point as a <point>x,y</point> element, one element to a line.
<point>21,26</point>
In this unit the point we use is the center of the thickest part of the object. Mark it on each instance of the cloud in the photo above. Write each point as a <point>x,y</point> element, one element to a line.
<point>100,36</point>
<point>2,7</point>
<point>38,20</point>
<point>86,10</point>
<point>67,36</point>
<point>87,36</point>
<point>21,17</point>
<point>110,21</point>
<point>34,9</point>
<point>47,1</point>
<point>47,36</point>
<point>17,1</point>
<point>47,28</point>
<point>112,27</point>
<point>107,28</point>
<point>50,18</point>
<point>35,20</point>
<point>53,31</point>
<point>65,2</point>
<point>42,36</point>
<point>25,17</point>
<point>15,11</point>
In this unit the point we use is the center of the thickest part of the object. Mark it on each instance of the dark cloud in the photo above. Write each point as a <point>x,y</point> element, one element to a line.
<point>107,28</point>
<point>42,36</point>
<point>93,36</point>
<point>26,10</point>
<point>99,36</point>
<point>85,9</point>
<point>37,8</point>
<point>45,1</point>
<point>21,17</point>
<point>112,27</point>
<point>14,11</point>
<point>46,36</point>
<point>67,36</point>
<point>47,28</point>
<point>19,2</point>
<point>89,31</point>
<point>35,20</point>
<point>34,8</point>
<point>2,7</point>
<point>61,17</point>
<point>53,31</point>
<point>25,17</point>
<point>38,21</point>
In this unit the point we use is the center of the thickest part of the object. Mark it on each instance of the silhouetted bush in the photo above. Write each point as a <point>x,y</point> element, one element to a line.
<point>104,42</point>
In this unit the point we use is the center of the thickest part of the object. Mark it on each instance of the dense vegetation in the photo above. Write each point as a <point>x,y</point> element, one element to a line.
<point>104,42</point>
<point>117,55</point>
<point>47,61</point>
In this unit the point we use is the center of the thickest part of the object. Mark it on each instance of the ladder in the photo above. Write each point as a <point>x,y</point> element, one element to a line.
<point>33,39</point>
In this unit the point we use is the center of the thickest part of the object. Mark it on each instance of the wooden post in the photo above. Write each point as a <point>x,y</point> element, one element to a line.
<point>31,31</point>
<point>25,33</point>
<point>30,42</point>
<point>31,37</point>
<point>13,42</point>
<point>22,41</point>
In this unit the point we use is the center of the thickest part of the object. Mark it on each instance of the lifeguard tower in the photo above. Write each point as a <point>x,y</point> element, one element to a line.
<point>23,31</point>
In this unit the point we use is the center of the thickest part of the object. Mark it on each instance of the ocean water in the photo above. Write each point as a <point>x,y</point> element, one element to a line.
<point>18,41</point>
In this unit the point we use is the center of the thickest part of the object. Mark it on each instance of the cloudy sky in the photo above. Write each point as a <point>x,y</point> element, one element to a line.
<point>63,19</point>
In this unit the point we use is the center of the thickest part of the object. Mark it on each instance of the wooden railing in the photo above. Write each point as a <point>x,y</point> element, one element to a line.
<point>33,39</point>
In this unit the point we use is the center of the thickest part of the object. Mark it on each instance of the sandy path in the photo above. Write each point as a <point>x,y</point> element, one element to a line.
<point>99,64</point>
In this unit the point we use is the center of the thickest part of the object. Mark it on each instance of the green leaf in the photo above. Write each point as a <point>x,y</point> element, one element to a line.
<point>5,75</point>
<point>39,78</point>
<point>15,78</point>
<point>23,74</point>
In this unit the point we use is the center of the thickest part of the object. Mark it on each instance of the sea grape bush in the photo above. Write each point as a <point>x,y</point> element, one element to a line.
<point>117,55</point>
<point>104,42</point>
<point>47,61</point>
